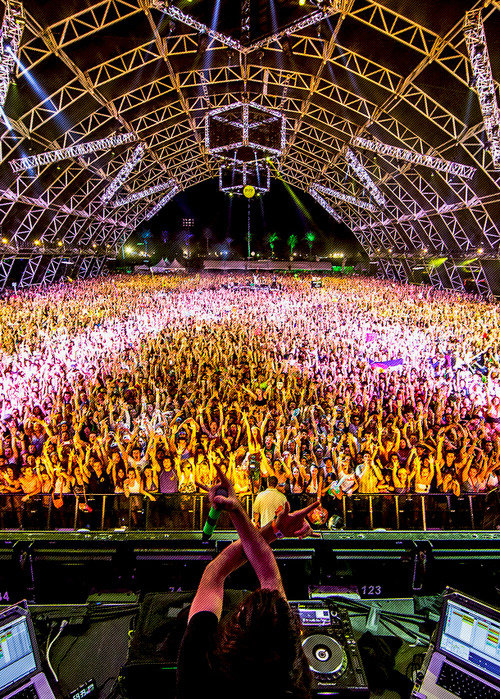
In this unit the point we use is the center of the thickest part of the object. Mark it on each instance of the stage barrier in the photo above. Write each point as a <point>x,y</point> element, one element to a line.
<point>180,512</point>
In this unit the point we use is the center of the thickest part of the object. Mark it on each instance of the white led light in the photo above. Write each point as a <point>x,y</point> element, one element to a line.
<point>135,196</point>
<point>475,39</point>
<point>53,156</point>
<point>164,200</point>
<point>10,40</point>
<point>345,197</point>
<point>364,177</point>
<point>181,16</point>
<point>253,117</point>
<point>125,171</point>
<point>322,202</point>
<point>417,158</point>
<point>245,124</point>
<point>258,171</point>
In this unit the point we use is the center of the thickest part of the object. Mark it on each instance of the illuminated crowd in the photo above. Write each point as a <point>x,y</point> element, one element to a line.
<point>138,385</point>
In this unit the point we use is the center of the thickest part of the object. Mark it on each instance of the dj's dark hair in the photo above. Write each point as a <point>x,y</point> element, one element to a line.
<point>259,651</point>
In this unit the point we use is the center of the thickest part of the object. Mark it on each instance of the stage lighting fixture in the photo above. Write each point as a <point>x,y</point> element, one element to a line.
<point>245,131</point>
<point>409,156</point>
<point>364,176</point>
<point>235,178</point>
<point>164,200</point>
<point>475,39</point>
<point>53,156</point>
<point>124,172</point>
<point>287,47</point>
<point>10,41</point>
<point>322,202</point>
<point>344,197</point>
<point>135,196</point>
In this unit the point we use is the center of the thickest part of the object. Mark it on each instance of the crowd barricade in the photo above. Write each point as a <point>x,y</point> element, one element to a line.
<point>188,512</point>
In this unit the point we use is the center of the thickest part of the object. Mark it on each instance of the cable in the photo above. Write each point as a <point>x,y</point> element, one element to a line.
<point>64,623</point>
<point>64,655</point>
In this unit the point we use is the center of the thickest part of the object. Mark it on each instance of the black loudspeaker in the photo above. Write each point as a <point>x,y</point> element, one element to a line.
<point>330,648</point>
<point>491,517</point>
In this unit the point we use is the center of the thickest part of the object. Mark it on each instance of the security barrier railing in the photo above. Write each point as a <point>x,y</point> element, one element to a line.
<point>183,512</point>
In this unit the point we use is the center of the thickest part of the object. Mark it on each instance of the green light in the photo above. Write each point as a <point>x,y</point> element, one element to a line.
<point>437,262</point>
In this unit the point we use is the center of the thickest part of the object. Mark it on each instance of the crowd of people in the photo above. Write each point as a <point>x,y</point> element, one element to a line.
<point>140,386</point>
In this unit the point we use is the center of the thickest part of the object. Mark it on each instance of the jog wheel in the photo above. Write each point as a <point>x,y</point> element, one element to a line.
<point>325,655</point>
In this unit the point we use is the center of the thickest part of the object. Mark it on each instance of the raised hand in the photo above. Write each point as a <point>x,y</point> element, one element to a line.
<point>295,523</point>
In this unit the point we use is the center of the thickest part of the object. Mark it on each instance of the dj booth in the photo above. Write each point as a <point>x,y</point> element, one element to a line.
<point>125,645</point>
<point>111,607</point>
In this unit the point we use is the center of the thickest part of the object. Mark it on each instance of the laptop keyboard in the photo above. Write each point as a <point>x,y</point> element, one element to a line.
<point>28,692</point>
<point>464,686</point>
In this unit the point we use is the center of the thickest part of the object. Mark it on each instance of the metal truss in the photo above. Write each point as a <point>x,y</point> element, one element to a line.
<point>256,175</point>
<point>10,41</point>
<point>483,80</point>
<point>326,206</point>
<point>154,91</point>
<point>415,158</point>
<point>135,196</point>
<point>249,122</point>
<point>160,204</point>
<point>125,171</point>
<point>344,197</point>
<point>363,176</point>
<point>31,161</point>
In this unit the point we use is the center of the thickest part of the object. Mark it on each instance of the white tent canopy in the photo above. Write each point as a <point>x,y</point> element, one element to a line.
<point>161,267</point>
<point>141,268</point>
<point>177,267</point>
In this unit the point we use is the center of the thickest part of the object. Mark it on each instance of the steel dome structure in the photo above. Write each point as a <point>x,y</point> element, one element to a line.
<point>385,114</point>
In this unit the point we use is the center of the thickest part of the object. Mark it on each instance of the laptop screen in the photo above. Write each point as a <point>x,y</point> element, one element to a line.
<point>472,638</point>
<point>17,657</point>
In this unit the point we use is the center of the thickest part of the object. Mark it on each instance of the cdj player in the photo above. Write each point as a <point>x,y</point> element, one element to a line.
<point>330,648</point>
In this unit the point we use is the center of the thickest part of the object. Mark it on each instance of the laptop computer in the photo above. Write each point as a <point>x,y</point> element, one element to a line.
<point>465,662</point>
<point>21,673</point>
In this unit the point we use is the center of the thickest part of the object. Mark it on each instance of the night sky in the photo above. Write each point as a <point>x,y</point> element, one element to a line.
<point>283,210</point>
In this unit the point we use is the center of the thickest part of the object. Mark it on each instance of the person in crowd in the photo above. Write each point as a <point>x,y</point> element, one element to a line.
<point>145,374</point>
<point>267,503</point>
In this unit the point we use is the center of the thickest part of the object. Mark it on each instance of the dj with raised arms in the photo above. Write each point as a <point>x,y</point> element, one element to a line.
<point>256,650</point>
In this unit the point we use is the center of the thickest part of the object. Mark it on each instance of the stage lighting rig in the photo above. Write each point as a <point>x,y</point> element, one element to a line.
<point>475,39</point>
<point>164,200</point>
<point>54,156</point>
<point>125,171</point>
<point>345,197</point>
<point>322,202</point>
<point>176,14</point>
<point>10,41</point>
<point>135,196</point>
<point>234,177</point>
<point>409,156</point>
<point>252,131</point>
<point>364,176</point>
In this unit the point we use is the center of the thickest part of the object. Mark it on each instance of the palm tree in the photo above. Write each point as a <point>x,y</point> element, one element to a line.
<point>310,237</point>
<point>208,235</point>
<point>272,238</point>
<point>292,242</point>
<point>146,235</point>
